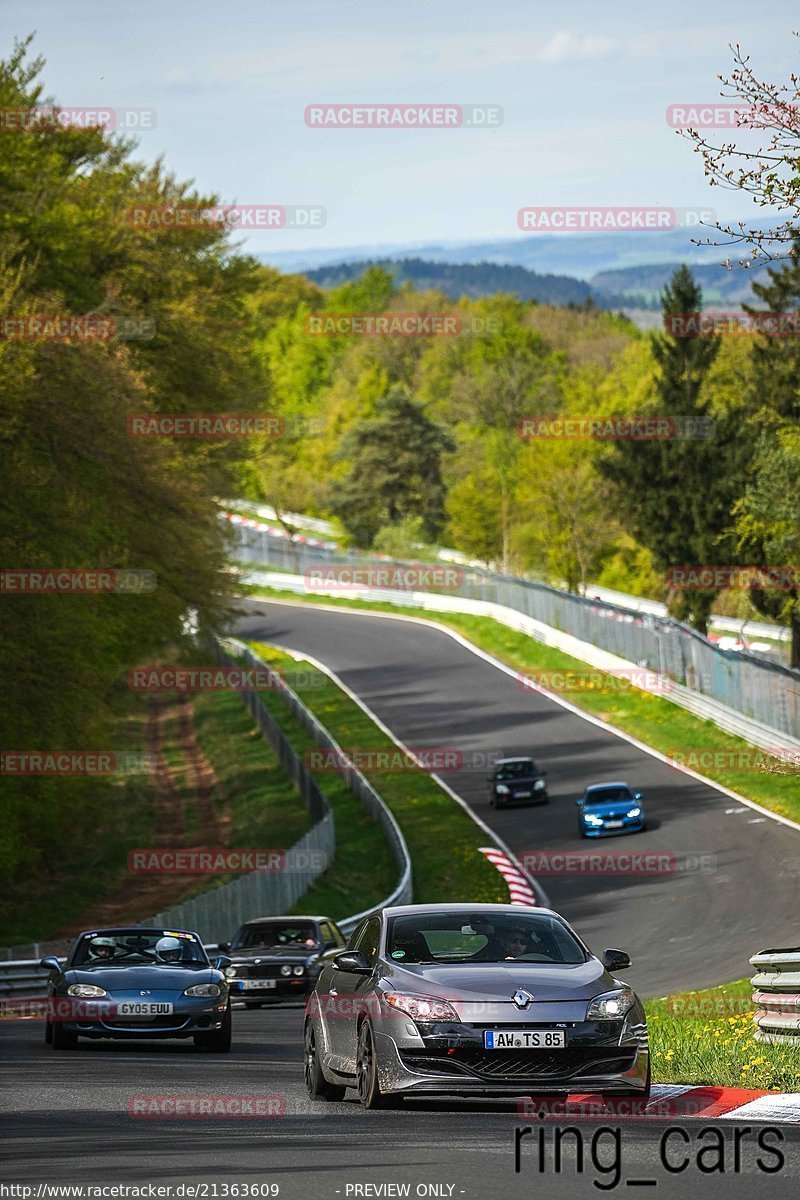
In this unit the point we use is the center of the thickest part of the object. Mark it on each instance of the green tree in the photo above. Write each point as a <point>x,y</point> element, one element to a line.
<point>676,494</point>
<point>394,471</point>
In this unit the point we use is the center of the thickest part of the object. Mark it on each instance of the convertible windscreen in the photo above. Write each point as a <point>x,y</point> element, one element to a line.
<point>458,938</point>
<point>277,933</point>
<point>130,948</point>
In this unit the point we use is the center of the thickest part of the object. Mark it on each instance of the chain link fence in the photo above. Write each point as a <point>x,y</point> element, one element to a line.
<point>762,691</point>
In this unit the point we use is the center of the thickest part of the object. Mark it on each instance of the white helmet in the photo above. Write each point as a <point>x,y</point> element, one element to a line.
<point>168,949</point>
<point>98,944</point>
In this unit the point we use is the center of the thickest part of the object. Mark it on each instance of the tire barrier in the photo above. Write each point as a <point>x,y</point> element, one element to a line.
<point>776,996</point>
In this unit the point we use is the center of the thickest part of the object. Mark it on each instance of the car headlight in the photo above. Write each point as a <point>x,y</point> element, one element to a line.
<point>230,972</point>
<point>86,990</point>
<point>502,789</point>
<point>286,969</point>
<point>204,989</point>
<point>538,785</point>
<point>298,970</point>
<point>611,1006</point>
<point>634,812</point>
<point>422,1008</point>
<point>592,819</point>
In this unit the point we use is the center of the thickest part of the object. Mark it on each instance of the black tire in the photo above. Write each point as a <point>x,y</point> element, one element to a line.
<point>63,1039</point>
<point>367,1085</point>
<point>252,1004</point>
<point>48,1032</point>
<point>317,1085</point>
<point>218,1042</point>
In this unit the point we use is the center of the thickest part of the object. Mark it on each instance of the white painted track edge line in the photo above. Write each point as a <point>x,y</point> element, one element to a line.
<point>566,704</point>
<point>498,841</point>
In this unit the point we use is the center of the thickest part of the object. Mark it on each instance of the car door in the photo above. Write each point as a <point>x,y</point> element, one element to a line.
<point>355,991</point>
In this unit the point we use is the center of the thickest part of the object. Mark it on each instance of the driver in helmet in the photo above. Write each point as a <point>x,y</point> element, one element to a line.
<point>102,949</point>
<point>168,950</point>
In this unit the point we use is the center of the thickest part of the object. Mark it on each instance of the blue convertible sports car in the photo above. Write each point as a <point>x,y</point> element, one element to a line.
<point>609,808</point>
<point>138,983</point>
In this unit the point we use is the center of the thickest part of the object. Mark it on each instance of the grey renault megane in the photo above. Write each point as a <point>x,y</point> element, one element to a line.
<point>481,999</point>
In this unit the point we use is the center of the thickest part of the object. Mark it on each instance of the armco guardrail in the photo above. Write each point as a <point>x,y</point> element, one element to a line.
<point>766,694</point>
<point>218,913</point>
<point>777,996</point>
<point>358,784</point>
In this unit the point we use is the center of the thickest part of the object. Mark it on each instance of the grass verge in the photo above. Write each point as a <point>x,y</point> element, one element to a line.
<point>707,1038</point>
<point>442,839</point>
<point>657,722</point>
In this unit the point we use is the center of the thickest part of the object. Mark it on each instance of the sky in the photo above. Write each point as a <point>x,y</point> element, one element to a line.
<point>583,88</point>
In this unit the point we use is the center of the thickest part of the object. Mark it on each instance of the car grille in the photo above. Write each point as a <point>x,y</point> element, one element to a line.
<point>262,971</point>
<point>174,1021</point>
<point>527,1064</point>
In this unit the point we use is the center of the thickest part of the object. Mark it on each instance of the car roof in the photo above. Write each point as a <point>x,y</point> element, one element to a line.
<point>617,783</point>
<point>293,919</point>
<point>499,762</point>
<point>517,910</point>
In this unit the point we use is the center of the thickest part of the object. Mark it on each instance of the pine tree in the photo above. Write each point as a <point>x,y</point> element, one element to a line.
<point>677,493</point>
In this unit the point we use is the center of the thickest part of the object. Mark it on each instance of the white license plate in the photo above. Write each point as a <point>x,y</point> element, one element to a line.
<point>146,1008</point>
<point>258,983</point>
<point>524,1039</point>
<point>522,795</point>
<point>614,824</point>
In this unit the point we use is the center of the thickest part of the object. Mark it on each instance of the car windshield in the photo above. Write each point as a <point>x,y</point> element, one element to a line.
<point>277,933</point>
<point>516,770</point>
<point>132,947</point>
<point>482,937</point>
<point>607,796</point>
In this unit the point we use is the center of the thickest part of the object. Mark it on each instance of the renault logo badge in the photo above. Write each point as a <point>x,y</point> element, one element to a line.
<point>521,998</point>
<point>144,993</point>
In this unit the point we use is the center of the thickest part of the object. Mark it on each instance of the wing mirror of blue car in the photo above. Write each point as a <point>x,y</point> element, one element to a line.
<point>50,963</point>
<point>352,961</point>
<point>638,795</point>
<point>616,960</point>
<point>222,962</point>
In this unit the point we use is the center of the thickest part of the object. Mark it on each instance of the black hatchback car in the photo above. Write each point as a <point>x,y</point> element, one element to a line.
<point>279,958</point>
<point>516,780</point>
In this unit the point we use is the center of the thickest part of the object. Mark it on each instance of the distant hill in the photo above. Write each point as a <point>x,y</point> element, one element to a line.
<point>579,255</point>
<point>474,279</point>
<point>644,284</point>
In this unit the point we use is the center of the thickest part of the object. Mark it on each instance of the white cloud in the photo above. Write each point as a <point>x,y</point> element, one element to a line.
<point>565,47</point>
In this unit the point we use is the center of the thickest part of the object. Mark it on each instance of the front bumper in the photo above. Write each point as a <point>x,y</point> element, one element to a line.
<point>635,825</point>
<point>598,1058</point>
<point>189,1017</point>
<point>286,988</point>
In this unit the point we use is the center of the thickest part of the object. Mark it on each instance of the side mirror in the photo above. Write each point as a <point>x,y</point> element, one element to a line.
<point>616,960</point>
<point>222,962</point>
<point>638,795</point>
<point>50,963</point>
<point>224,947</point>
<point>352,961</point>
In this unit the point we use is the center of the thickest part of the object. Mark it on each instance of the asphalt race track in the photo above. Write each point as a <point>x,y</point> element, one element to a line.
<point>687,930</point>
<point>65,1121</point>
<point>66,1117</point>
